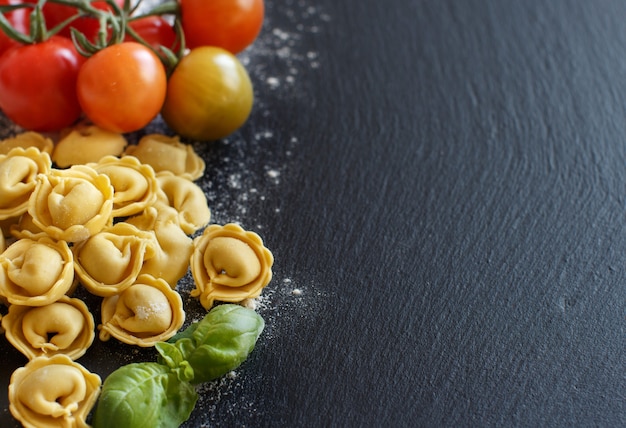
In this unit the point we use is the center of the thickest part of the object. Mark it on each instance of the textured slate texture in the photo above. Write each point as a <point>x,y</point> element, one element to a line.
<point>443,185</point>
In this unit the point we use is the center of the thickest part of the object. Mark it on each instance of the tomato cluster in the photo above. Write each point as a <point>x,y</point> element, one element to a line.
<point>120,69</point>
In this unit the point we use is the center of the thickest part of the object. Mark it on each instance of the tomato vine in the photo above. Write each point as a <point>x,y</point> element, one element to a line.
<point>114,25</point>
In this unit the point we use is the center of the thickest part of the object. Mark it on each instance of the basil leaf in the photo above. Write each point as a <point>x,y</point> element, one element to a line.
<point>172,357</point>
<point>144,394</point>
<point>223,340</point>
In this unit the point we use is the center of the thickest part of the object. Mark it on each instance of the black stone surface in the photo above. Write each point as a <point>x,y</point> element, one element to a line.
<point>442,184</point>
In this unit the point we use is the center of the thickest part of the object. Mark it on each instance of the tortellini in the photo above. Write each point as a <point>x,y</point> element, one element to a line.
<point>147,312</point>
<point>72,204</point>
<point>165,153</point>
<point>171,258</point>
<point>111,260</point>
<point>134,183</point>
<point>120,223</point>
<point>63,327</point>
<point>187,198</point>
<point>83,144</point>
<point>18,176</point>
<point>36,273</point>
<point>229,264</point>
<point>25,140</point>
<point>52,392</point>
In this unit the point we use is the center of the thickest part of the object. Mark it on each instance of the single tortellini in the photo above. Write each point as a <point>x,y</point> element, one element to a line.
<point>83,144</point>
<point>147,312</point>
<point>52,392</point>
<point>110,261</point>
<point>229,264</point>
<point>62,327</point>
<point>72,204</point>
<point>165,153</point>
<point>187,198</point>
<point>36,273</point>
<point>25,140</point>
<point>18,177</point>
<point>135,185</point>
<point>171,258</point>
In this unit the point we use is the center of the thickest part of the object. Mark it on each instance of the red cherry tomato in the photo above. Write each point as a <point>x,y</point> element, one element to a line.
<point>229,24</point>
<point>38,84</point>
<point>19,19</point>
<point>155,30</point>
<point>122,87</point>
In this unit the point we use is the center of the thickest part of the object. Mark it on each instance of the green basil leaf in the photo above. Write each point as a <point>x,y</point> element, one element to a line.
<point>169,354</point>
<point>144,394</point>
<point>223,340</point>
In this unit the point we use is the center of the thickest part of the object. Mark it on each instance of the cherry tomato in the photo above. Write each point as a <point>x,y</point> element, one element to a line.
<point>121,88</point>
<point>209,95</point>
<point>229,24</point>
<point>38,84</point>
<point>19,20</point>
<point>155,30</point>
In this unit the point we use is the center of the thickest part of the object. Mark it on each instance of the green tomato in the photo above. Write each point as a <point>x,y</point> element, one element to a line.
<point>209,95</point>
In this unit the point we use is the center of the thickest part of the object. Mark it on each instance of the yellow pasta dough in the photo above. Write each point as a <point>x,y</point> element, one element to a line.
<point>229,264</point>
<point>36,273</point>
<point>25,228</point>
<point>171,258</point>
<point>72,204</point>
<point>18,176</point>
<point>165,153</point>
<point>187,198</point>
<point>62,327</point>
<point>25,140</point>
<point>147,312</point>
<point>135,185</point>
<point>52,392</point>
<point>83,144</point>
<point>110,261</point>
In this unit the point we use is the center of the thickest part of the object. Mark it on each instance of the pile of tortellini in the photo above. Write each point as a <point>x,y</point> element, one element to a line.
<point>117,219</point>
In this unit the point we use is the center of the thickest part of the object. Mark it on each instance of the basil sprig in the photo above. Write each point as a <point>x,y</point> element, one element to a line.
<point>162,393</point>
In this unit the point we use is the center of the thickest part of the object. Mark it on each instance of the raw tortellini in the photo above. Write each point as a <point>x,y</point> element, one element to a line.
<point>134,183</point>
<point>52,392</point>
<point>72,204</point>
<point>63,327</point>
<point>83,144</point>
<point>18,177</point>
<point>187,198</point>
<point>36,273</point>
<point>147,312</point>
<point>110,261</point>
<point>120,223</point>
<point>229,264</point>
<point>165,153</point>
<point>171,259</point>
<point>26,140</point>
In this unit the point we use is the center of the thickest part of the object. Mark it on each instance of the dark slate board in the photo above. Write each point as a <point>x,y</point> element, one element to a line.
<point>443,185</point>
